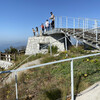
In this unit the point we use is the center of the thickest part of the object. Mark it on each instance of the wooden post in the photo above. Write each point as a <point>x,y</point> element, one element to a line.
<point>15,57</point>
<point>6,56</point>
<point>9,59</point>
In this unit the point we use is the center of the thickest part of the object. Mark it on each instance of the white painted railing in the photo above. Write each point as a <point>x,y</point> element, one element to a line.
<point>50,63</point>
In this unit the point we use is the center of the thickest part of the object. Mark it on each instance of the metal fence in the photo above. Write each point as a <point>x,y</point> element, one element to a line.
<point>85,24</point>
<point>71,22</point>
<point>76,25</point>
<point>50,63</point>
<point>82,26</point>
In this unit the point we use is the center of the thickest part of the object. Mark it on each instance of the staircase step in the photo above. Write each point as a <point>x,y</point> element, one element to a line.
<point>94,42</point>
<point>85,38</point>
<point>77,36</point>
<point>98,43</point>
<point>81,37</point>
<point>89,40</point>
<point>98,39</point>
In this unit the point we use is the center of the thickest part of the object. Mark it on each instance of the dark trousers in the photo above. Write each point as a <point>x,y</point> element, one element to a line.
<point>42,31</point>
<point>34,33</point>
<point>52,24</point>
<point>47,29</point>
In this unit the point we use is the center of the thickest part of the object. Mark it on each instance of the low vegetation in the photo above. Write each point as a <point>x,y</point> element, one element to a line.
<point>52,82</point>
<point>54,49</point>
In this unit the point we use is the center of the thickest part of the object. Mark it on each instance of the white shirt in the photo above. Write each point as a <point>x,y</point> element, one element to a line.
<point>47,23</point>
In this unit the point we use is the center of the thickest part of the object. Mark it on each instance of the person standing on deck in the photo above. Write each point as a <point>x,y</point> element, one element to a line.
<point>37,31</point>
<point>42,26</point>
<point>33,31</point>
<point>53,20</point>
<point>47,25</point>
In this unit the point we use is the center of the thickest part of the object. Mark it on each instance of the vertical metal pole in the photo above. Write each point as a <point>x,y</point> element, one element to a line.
<point>50,49</point>
<point>83,28</point>
<point>66,44</point>
<point>78,22</point>
<point>72,81</point>
<point>66,23</point>
<point>16,86</point>
<point>56,22</point>
<point>96,31</point>
<point>76,43</point>
<point>61,22</point>
<point>78,28</point>
<point>87,24</point>
<point>50,26</point>
<point>74,25</point>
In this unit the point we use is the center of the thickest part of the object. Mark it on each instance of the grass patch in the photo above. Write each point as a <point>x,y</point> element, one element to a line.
<point>53,81</point>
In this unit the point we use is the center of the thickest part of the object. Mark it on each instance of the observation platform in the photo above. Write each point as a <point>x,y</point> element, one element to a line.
<point>82,29</point>
<point>88,36</point>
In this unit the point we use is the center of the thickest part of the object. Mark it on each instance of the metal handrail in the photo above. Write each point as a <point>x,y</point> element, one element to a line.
<point>45,64</point>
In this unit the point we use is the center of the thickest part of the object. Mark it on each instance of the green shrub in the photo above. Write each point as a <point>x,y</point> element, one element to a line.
<point>53,48</point>
<point>78,50</point>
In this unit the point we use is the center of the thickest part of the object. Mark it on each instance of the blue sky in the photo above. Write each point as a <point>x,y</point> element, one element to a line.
<point>17,17</point>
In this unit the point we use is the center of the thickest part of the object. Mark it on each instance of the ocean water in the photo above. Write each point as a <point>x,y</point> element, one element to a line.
<point>15,45</point>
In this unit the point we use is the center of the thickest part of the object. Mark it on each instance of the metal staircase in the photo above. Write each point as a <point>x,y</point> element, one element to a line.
<point>82,29</point>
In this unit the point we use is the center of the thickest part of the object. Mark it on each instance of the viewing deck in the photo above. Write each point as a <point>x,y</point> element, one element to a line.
<point>84,30</point>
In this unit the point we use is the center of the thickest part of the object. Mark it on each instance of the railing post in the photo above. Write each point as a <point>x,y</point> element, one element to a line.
<point>76,43</point>
<point>87,24</point>
<point>61,22</point>
<point>78,22</point>
<point>16,86</point>
<point>96,26</point>
<point>50,49</point>
<point>9,58</point>
<point>74,25</point>
<point>83,28</point>
<point>66,44</point>
<point>66,23</point>
<point>72,81</point>
<point>56,22</point>
<point>6,56</point>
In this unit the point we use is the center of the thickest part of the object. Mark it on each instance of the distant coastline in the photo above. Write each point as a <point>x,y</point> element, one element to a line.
<point>15,45</point>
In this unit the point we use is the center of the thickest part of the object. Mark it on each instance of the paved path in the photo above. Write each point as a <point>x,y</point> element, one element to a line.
<point>12,75</point>
<point>92,93</point>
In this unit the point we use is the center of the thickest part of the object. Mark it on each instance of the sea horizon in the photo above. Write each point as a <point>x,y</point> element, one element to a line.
<point>4,46</point>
